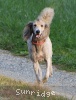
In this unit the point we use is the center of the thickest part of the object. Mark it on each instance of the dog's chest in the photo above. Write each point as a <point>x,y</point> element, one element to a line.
<point>39,53</point>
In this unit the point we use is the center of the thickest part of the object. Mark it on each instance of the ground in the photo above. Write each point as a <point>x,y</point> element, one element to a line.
<point>21,68</point>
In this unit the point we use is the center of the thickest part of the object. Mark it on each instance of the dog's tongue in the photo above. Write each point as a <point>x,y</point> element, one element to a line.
<point>37,36</point>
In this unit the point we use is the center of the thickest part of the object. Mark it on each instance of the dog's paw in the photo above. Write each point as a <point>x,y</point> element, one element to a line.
<point>44,80</point>
<point>38,83</point>
<point>51,74</point>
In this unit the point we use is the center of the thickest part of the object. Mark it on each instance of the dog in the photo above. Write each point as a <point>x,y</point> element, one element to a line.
<point>36,33</point>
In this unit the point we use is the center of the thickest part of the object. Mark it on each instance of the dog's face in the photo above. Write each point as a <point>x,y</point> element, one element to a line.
<point>38,28</point>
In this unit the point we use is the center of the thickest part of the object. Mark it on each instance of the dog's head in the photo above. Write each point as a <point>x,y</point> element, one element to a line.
<point>38,28</point>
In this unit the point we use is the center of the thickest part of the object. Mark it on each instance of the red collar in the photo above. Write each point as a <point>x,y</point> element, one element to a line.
<point>38,42</point>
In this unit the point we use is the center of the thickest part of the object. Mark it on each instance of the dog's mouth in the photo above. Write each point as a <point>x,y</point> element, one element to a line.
<point>38,35</point>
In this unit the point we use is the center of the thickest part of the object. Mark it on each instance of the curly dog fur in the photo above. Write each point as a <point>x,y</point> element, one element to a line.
<point>36,33</point>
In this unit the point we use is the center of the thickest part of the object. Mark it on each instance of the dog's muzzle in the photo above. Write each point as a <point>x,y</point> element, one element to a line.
<point>38,34</point>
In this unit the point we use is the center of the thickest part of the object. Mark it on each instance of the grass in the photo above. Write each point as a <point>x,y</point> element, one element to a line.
<point>15,14</point>
<point>9,89</point>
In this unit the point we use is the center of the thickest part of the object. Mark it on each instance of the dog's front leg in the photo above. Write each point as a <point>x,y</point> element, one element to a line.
<point>51,69</point>
<point>38,72</point>
<point>48,71</point>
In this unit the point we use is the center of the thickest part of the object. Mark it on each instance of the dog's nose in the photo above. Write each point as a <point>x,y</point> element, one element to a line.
<point>37,31</point>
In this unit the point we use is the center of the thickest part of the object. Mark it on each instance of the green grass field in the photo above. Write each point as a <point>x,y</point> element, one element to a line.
<point>11,90</point>
<point>14,14</point>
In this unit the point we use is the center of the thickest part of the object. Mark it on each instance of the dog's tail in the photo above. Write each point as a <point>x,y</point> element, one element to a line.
<point>47,15</point>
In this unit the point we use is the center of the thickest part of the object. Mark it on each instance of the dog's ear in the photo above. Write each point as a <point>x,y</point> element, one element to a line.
<point>28,30</point>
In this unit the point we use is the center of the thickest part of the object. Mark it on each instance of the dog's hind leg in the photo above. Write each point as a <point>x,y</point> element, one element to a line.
<point>38,72</point>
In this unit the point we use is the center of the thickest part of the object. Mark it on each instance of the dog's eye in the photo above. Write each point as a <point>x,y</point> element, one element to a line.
<point>34,25</point>
<point>41,25</point>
